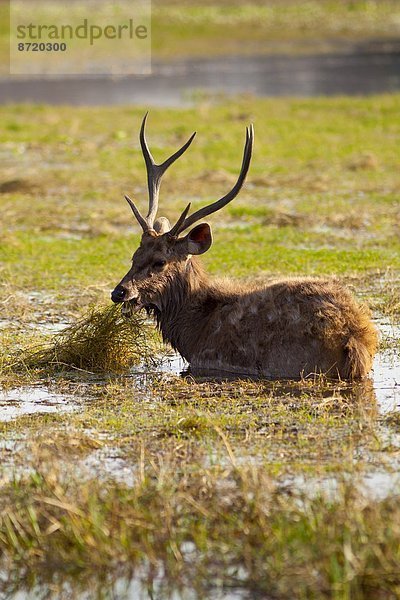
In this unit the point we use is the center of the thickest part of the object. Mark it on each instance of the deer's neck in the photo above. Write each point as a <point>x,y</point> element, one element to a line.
<point>185,306</point>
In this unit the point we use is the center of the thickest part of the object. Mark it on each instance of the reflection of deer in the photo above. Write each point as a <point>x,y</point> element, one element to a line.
<point>284,329</point>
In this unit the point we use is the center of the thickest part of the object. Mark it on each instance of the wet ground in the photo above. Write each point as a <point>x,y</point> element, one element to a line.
<point>177,83</point>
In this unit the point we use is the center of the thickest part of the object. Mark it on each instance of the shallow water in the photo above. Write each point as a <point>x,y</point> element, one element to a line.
<point>30,400</point>
<point>386,377</point>
<point>134,590</point>
<point>357,71</point>
<point>385,374</point>
<point>108,462</point>
<point>376,485</point>
<point>386,370</point>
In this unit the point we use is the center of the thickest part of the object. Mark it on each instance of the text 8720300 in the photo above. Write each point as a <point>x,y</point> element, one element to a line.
<point>42,47</point>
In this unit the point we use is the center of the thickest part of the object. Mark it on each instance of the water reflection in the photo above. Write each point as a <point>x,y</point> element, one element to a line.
<point>381,392</point>
<point>132,587</point>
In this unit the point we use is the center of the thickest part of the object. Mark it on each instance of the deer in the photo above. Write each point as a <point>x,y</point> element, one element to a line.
<point>284,329</point>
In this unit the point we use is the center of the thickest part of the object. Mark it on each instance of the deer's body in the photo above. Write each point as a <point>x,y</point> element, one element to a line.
<point>284,329</point>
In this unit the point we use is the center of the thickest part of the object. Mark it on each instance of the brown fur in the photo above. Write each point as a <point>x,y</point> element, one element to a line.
<point>284,329</point>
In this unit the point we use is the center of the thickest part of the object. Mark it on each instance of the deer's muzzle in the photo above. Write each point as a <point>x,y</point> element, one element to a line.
<point>118,294</point>
<point>123,294</point>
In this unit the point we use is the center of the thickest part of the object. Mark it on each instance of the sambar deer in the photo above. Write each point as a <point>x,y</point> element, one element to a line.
<point>284,329</point>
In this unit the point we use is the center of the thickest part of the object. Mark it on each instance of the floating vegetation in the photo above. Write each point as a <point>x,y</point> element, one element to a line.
<point>102,340</point>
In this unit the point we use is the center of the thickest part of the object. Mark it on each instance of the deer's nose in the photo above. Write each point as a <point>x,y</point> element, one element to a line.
<point>118,295</point>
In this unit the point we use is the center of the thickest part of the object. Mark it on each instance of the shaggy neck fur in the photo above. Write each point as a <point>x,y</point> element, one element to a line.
<point>185,304</point>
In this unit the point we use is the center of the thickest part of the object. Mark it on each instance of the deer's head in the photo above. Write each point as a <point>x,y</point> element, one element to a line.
<point>162,254</point>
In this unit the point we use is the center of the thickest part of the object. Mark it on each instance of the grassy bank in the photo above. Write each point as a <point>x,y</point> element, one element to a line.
<point>209,28</point>
<point>199,29</point>
<point>183,483</point>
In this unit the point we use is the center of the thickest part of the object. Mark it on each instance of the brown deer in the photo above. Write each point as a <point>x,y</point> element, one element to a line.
<point>284,329</point>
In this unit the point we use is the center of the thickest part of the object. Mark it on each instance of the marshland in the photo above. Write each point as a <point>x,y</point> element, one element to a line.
<point>122,475</point>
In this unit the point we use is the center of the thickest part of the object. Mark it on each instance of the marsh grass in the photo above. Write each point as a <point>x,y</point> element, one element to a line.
<point>208,505</point>
<point>280,425</point>
<point>202,530</point>
<point>100,341</point>
<point>312,205</point>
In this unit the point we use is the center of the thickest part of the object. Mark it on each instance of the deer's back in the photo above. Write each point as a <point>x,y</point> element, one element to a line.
<point>288,329</point>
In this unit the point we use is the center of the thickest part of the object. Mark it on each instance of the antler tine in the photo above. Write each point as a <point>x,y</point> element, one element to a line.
<point>155,172</point>
<point>137,214</point>
<point>175,230</point>
<point>211,208</point>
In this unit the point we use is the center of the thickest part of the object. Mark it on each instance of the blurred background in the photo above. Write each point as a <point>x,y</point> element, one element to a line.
<point>263,48</point>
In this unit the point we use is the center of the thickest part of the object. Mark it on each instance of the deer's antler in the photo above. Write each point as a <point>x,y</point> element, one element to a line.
<point>154,175</point>
<point>184,222</point>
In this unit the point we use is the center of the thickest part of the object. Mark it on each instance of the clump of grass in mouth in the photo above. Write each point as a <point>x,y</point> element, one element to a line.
<point>100,341</point>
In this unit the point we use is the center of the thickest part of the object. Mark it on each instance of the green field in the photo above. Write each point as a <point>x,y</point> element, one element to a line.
<point>191,28</point>
<point>186,485</point>
<point>182,29</point>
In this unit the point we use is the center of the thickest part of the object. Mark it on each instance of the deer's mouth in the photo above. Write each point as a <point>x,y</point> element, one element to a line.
<point>131,307</point>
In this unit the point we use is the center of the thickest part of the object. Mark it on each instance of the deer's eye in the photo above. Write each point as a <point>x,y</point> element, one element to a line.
<point>159,264</point>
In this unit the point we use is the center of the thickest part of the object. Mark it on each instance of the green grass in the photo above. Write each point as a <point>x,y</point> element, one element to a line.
<point>210,28</point>
<point>183,29</point>
<point>321,198</point>
<point>145,468</point>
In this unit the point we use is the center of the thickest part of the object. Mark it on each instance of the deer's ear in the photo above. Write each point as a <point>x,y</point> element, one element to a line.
<point>198,240</point>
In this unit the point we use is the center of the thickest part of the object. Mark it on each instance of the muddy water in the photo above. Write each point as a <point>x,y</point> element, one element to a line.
<point>357,72</point>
